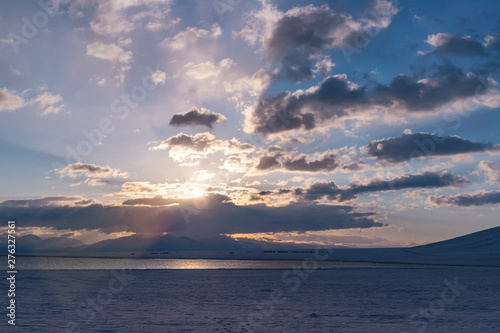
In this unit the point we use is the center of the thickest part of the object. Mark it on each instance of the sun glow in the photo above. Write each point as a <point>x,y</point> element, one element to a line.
<point>194,192</point>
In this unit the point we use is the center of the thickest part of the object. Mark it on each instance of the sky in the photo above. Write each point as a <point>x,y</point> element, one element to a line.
<point>351,123</point>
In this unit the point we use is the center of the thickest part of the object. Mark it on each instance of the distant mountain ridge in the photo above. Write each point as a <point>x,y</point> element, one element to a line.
<point>31,244</point>
<point>480,248</point>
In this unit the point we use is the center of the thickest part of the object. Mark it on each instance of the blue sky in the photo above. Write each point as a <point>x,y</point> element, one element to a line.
<point>374,122</point>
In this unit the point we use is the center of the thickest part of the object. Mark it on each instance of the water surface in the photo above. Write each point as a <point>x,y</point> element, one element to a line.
<point>62,263</point>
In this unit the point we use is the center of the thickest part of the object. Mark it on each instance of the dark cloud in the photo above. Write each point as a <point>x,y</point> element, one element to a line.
<point>89,170</point>
<point>278,160</point>
<point>448,83</point>
<point>425,180</point>
<point>494,41</point>
<point>325,163</point>
<point>84,202</point>
<point>278,191</point>
<point>268,162</point>
<point>207,217</point>
<point>456,44</point>
<point>354,166</point>
<point>286,111</point>
<point>331,191</point>
<point>204,141</point>
<point>160,201</point>
<point>155,201</point>
<point>292,47</point>
<point>68,234</point>
<point>197,142</point>
<point>41,202</point>
<point>336,97</point>
<point>408,146</point>
<point>195,117</point>
<point>320,28</point>
<point>488,47</point>
<point>467,200</point>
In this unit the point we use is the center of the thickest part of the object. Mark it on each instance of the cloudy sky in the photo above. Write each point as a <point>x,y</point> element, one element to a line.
<point>367,123</point>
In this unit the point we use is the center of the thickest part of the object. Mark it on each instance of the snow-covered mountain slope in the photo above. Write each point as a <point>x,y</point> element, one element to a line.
<point>479,249</point>
<point>482,242</point>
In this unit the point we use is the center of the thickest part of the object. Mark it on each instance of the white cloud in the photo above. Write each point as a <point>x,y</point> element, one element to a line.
<point>236,164</point>
<point>438,39</point>
<point>157,25</point>
<point>202,176</point>
<point>115,54</point>
<point>124,42</point>
<point>53,109</point>
<point>188,148</point>
<point>109,20</point>
<point>324,66</point>
<point>490,170</point>
<point>159,77</point>
<point>100,81</point>
<point>110,52</point>
<point>253,85</point>
<point>259,24</point>
<point>383,11</point>
<point>191,36</point>
<point>157,19</point>
<point>48,101</point>
<point>111,16</point>
<point>9,101</point>
<point>207,69</point>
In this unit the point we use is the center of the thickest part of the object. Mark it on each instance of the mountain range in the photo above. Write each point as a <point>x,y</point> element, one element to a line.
<point>480,248</point>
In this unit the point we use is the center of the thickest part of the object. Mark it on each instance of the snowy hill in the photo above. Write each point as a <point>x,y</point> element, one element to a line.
<point>478,249</point>
<point>482,242</point>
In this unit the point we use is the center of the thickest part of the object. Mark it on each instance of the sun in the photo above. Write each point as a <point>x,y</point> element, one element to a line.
<point>195,192</point>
